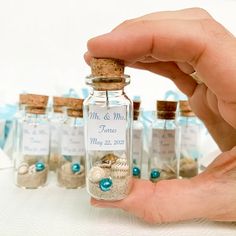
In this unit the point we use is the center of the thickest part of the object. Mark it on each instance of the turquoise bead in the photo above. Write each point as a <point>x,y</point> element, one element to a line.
<point>136,172</point>
<point>155,174</point>
<point>105,184</point>
<point>39,166</point>
<point>75,167</point>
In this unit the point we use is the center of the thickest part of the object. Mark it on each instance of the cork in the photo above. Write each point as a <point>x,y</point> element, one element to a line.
<point>76,103</point>
<point>107,67</point>
<point>36,110</point>
<point>37,100</point>
<point>59,103</point>
<point>75,112</point>
<point>185,109</point>
<point>23,98</point>
<point>136,109</point>
<point>166,109</point>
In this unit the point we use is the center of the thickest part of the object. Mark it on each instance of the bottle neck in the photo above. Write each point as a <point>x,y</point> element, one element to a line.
<point>107,93</point>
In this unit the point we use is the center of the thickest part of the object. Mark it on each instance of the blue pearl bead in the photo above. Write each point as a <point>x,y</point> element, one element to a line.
<point>136,172</point>
<point>39,166</point>
<point>105,184</point>
<point>155,174</point>
<point>75,167</point>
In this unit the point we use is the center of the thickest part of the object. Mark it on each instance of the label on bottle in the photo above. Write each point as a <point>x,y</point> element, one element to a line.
<point>72,141</point>
<point>35,140</point>
<point>163,144</point>
<point>55,134</point>
<point>107,128</point>
<point>189,137</point>
<point>137,146</point>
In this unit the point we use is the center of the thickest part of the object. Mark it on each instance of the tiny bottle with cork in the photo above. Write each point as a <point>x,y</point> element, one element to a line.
<point>57,118</point>
<point>137,140</point>
<point>164,157</point>
<point>31,165</point>
<point>190,128</point>
<point>71,170</point>
<point>108,131</point>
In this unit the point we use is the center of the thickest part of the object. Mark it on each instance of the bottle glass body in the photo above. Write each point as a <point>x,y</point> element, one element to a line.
<point>163,161</point>
<point>31,163</point>
<point>189,128</point>
<point>108,130</point>
<point>71,170</point>
<point>137,148</point>
<point>56,121</point>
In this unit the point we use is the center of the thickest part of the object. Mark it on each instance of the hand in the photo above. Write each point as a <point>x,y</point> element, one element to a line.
<point>210,195</point>
<point>176,44</point>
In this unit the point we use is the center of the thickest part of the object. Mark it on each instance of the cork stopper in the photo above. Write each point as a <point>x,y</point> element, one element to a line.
<point>23,98</point>
<point>166,109</point>
<point>36,104</point>
<point>136,109</point>
<point>37,100</point>
<point>75,107</point>
<point>185,109</point>
<point>59,103</point>
<point>107,67</point>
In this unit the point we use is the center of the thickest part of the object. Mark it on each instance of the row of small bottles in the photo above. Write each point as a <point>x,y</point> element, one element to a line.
<point>102,141</point>
<point>49,141</point>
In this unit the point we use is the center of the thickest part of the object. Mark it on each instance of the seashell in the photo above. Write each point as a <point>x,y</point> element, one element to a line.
<point>120,168</point>
<point>109,159</point>
<point>23,168</point>
<point>66,168</point>
<point>32,169</point>
<point>96,174</point>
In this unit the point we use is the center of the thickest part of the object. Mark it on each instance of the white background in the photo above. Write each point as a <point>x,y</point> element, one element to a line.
<point>42,42</point>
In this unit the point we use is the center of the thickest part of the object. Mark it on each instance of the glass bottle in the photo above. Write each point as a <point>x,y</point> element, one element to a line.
<point>56,120</point>
<point>108,131</point>
<point>190,129</point>
<point>71,170</point>
<point>163,162</point>
<point>31,165</point>
<point>137,140</point>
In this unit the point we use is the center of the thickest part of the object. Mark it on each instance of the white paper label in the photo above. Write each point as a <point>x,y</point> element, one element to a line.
<point>72,141</point>
<point>189,139</point>
<point>35,139</point>
<point>55,134</point>
<point>106,128</point>
<point>137,145</point>
<point>163,144</point>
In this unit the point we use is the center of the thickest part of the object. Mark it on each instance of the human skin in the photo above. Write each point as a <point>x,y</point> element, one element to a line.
<point>176,44</point>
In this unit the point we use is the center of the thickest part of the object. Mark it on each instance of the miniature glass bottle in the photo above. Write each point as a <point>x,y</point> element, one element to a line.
<point>71,170</point>
<point>163,162</point>
<point>108,118</point>
<point>189,127</point>
<point>56,120</point>
<point>31,166</point>
<point>137,140</point>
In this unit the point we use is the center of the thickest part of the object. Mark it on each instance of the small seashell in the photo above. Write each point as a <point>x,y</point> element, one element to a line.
<point>32,169</point>
<point>23,168</point>
<point>96,174</point>
<point>120,168</point>
<point>109,159</point>
<point>66,168</point>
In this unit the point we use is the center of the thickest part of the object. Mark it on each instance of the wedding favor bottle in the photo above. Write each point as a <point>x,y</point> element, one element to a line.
<point>31,165</point>
<point>108,117</point>
<point>189,127</point>
<point>71,170</point>
<point>57,117</point>
<point>137,140</point>
<point>163,162</point>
